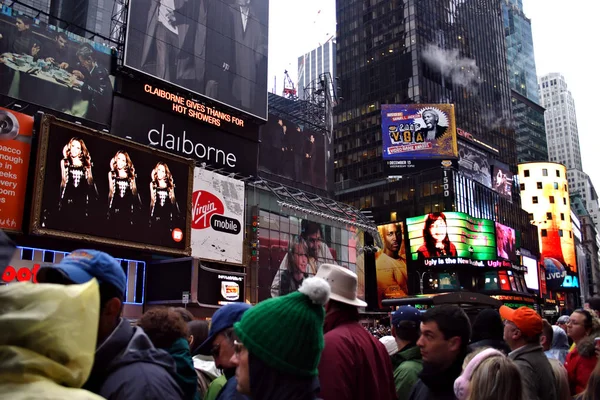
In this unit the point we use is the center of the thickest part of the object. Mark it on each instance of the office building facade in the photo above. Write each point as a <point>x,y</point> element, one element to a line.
<point>315,63</point>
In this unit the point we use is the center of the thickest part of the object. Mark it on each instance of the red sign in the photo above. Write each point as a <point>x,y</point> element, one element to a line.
<point>204,205</point>
<point>23,274</point>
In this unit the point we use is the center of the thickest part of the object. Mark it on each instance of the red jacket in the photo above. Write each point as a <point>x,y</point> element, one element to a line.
<point>354,364</point>
<point>579,369</point>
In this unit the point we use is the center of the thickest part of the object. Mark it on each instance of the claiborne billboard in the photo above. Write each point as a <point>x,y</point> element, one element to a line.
<point>44,65</point>
<point>100,188</point>
<point>213,48</point>
<point>453,238</point>
<point>415,134</point>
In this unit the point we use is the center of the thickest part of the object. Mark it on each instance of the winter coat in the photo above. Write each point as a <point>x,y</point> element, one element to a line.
<point>560,345</point>
<point>47,340</point>
<point>580,363</point>
<point>128,366</point>
<point>435,384</point>
<point>407,372</point>
<point>499,345</point>
<point>354,364</point>
<point>215,387</point>
<point>536,372</point>
<point>207,373</point>
<point>186,374</point>
<point>229,391</point>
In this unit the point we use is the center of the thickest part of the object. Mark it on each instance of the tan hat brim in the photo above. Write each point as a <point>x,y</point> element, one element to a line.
<point>341,299</point>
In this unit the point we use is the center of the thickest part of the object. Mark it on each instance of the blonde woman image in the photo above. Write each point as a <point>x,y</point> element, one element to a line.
<point>123,197</point>
<point>163,205</point>
<point>77,188</point>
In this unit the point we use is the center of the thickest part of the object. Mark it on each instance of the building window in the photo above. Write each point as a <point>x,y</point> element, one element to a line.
<point>558,173</point>
<point>560,232</point>
<point>544,233</point>
<point>544,172</point>
<point>534,200</point>
<point>531,216</point>
<point>556,185</point>
<point>551,199</point>
<point>570,235</point>
<point>562,216</point>
<point>548,215</point>
<point>522,186</point>
<point>526,173</point>
<point>565,201</point>
<point>539,185</point>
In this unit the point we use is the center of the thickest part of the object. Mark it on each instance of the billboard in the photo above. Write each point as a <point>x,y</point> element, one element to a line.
<point>290,151</point>
<point>531,275</point>
<point>451,238</point>
<point>99,188</point>
<point>186,138</point>
<point>217,217</point>
<point>506,242</point>
<point>15,145</point>
<point>217,287</point>
<point>217,49</point>
<point>414,134</point>
<point>503,181</point>
<point>474,163</point>
<point>291,249</point>
<point>44,65</point>
<point>390,263</point>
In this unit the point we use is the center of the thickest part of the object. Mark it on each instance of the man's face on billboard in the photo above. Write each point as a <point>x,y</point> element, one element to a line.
<point>314,240</point>
<point>392,237</point>
<point>430,119</point>
<point>21,25</point>
<point>61,41</point>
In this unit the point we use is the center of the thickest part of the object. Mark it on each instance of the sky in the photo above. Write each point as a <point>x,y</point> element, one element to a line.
<point>565,39</point>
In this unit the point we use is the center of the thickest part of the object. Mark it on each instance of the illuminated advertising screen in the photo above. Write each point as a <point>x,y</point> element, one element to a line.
<point>216,48</point>
<point>99,188</point>
<point>218,286</point>
<point>390,263</point>
<point>16,130</point>
<point>291,249</point>
<point>531,275</point>
<point>474,163</point>
<point>506,243</point>
<point>451,238</point>
<point>45,65</point>
<point>417,133</point>
<point>503,181</point>
<point>292,152</point>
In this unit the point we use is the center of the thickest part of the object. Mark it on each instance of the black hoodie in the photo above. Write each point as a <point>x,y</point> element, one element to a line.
<point>128,366</point>
<point>436,384</point>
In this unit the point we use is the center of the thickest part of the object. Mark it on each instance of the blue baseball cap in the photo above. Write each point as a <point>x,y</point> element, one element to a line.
<point>406,313</point>
<point>224,318</point>
<point>82,266</point>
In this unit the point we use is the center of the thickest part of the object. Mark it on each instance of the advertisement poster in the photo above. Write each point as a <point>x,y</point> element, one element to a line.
<point>506,242</point>
<point>503,181</point>
<point>413,133</point>
<point>217,49</point>
<point>217,287</point>
<point>289,151</point>
<point>15,146</point>
<point>452,238</point>
<point>292,249</point>
<point>217,217</point>
<point>97,187</point>
<point>474,163</point>
<point>44,65</point>
<point>390,263</point>
<point>183,137</point>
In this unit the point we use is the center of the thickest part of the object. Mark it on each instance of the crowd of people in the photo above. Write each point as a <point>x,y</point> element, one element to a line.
<point>65,338</point>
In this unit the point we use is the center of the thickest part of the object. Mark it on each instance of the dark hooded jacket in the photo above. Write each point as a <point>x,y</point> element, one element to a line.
<point>128,366</point>
<point>186,375</point>
<point>488,331</point>
<point>267,383</point>
<point>437,384</point>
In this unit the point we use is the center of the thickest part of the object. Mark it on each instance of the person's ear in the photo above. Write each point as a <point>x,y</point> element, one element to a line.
<point>454,343</point>
<point>112,308</point>
<point>190,340</point>
<point>543,340</point>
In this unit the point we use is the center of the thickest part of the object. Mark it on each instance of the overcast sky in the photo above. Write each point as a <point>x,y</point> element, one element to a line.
<point>565,39</point>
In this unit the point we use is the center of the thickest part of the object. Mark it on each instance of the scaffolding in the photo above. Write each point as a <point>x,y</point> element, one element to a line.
<point>118,27</point>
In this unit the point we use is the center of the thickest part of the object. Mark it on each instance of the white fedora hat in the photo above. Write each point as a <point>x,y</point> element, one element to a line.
<point>343,284</point>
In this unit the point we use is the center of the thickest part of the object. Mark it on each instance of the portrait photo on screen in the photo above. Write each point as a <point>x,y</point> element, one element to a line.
<point>436,241</point>
<point>506,242</point>
<point>47,66</point>
<point>390,263</point>
<point>216,48</point>
<point>503,181</point>
<point>110,189</point>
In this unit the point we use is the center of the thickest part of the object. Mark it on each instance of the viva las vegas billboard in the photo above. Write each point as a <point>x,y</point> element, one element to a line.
<point>217,217</point>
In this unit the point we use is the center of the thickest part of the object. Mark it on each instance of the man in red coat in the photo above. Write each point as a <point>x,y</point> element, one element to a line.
<point>354,364</point>
<point>583,328</point>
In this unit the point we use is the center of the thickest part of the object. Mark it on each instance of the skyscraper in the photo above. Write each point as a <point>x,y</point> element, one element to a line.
<point>563,139</point>
<point>314,63</point>
<point>527,113</point>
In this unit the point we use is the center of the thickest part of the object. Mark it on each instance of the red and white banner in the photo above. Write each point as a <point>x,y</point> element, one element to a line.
<point>217,217</point>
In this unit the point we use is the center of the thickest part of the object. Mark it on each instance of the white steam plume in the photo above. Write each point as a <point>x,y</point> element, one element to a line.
<point>461,70</point>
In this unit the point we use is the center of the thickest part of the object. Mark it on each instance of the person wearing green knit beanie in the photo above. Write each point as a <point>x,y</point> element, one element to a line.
<point>279,344</point>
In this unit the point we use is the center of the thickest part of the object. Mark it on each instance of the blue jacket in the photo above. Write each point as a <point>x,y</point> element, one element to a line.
<point>229,391</point>
<point>128,367</point>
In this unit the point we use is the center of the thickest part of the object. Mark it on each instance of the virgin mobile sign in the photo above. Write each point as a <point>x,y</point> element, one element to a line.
<point>217,217</point>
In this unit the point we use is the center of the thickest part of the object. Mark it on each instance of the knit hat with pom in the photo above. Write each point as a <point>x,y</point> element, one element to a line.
<point>286,332</point>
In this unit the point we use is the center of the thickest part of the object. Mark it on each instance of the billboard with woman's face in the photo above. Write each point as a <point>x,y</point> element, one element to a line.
<point>451,238</point>
<point>100,188</point>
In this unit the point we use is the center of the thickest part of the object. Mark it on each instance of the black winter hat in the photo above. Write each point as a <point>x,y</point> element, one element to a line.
<point>488,325</point>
